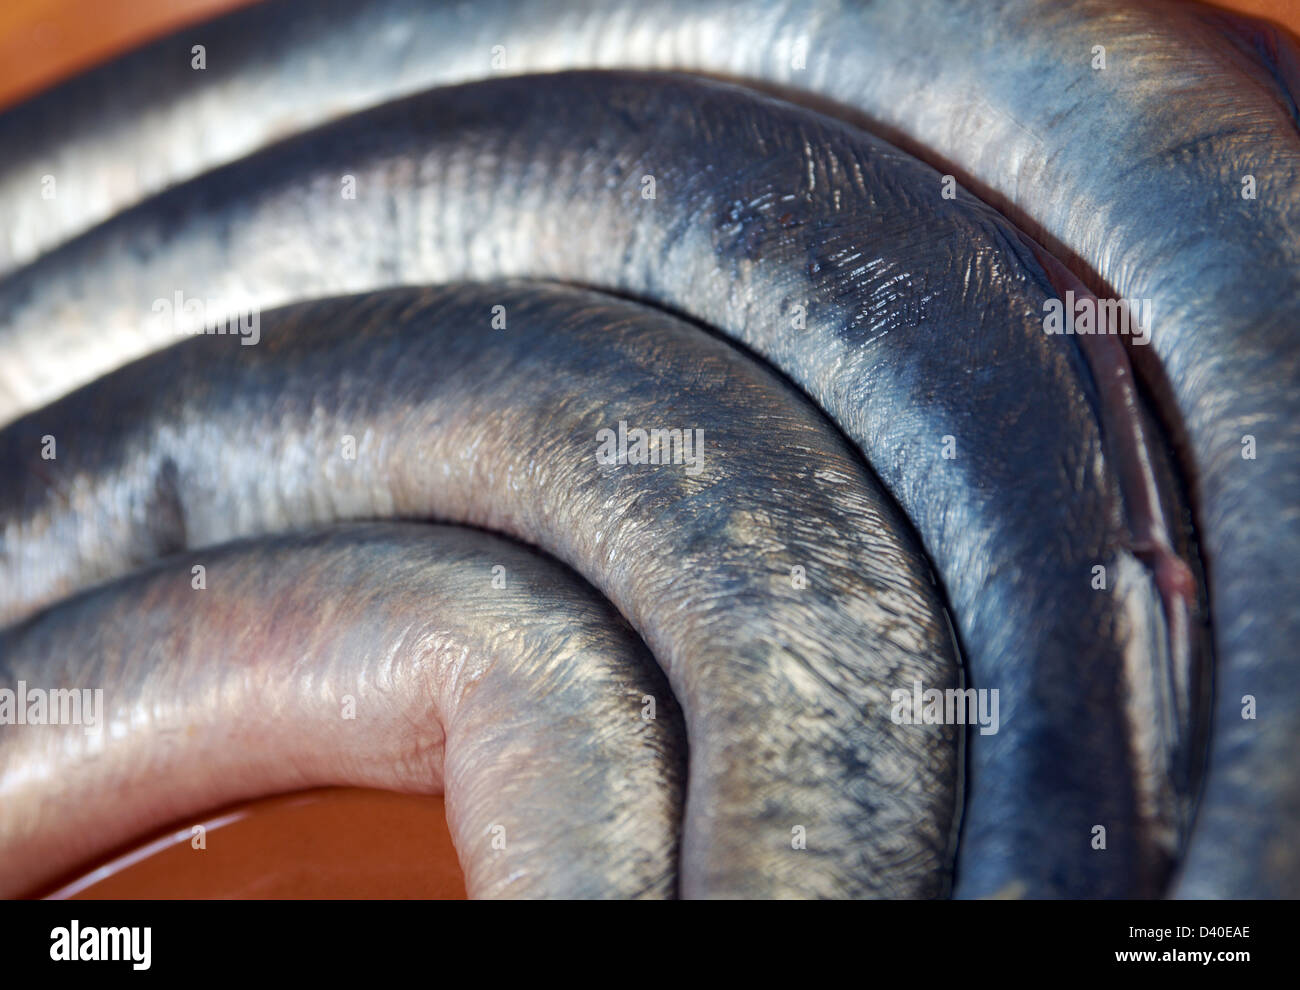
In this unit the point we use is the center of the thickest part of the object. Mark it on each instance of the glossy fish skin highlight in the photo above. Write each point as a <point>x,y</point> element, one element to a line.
<point>922,322</point>
<point>1135,173</point>
<point>524,700</point>
<point>772,579</point>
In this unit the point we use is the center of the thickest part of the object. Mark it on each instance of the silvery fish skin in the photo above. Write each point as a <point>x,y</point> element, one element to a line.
<point>1135,172</point>
<point>915,321</point>
<point>404,656</point>
<point>772,579</point>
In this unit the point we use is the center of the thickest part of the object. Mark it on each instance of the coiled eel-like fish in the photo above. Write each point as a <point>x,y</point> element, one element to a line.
<point>1152,145</point>
<point>405,656</point>
<point>914,321</point>
<point>772,579</point>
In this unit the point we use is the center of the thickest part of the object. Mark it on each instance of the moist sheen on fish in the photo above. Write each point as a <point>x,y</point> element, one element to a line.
<point>1152,145</point>
<point>771,577</point>
<point>914,320</point>
<point>405,656</point>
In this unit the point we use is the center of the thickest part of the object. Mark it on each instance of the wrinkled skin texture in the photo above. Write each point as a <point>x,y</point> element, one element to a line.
<point>922,321</point>
<point>785,688</point>
<point>1001,93</point>
<point>515,700</point>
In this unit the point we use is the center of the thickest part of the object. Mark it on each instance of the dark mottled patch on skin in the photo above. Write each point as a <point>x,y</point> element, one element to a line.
<point>165,511</point>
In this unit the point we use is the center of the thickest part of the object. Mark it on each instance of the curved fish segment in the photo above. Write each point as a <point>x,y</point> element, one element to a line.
<point>915,319</point>
<point>773,580</point>
<point>416,658</point>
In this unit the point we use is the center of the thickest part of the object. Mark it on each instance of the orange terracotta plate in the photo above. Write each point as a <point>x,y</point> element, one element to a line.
<point>320,844</point>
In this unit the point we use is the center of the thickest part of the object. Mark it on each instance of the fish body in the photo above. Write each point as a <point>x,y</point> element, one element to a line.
<point>915,321</point>
<point>410,657</point>
<point>741,536</point>
<point>1152,146</point>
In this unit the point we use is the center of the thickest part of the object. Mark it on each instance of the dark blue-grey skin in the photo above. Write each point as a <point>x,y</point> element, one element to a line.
<point>915,321</point>
<point>772,578</point>
<point>418,658</point>
<point>1152,145</point>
